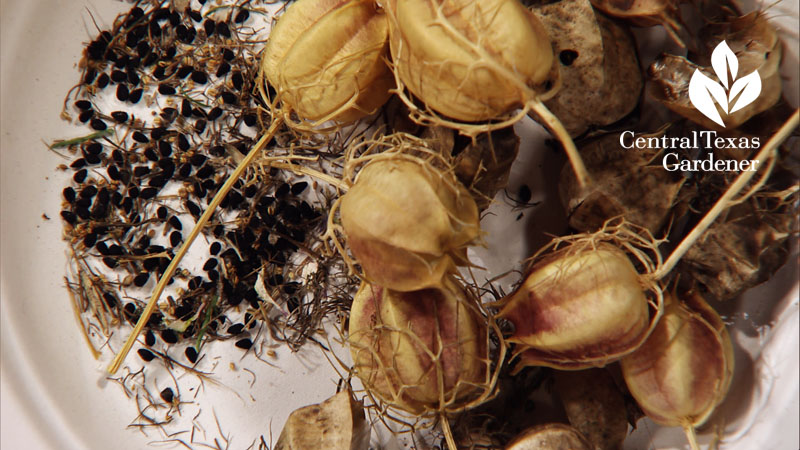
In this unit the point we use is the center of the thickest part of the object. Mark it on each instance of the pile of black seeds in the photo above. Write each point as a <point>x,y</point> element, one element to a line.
<point>183,109</point>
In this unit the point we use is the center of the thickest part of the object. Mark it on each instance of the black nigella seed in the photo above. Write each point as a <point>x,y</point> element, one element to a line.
<point>83,212</point>
<point>133,77</point>
<point>223,30</point>
<point>183,143</point>
<point>185,170</point>
<point>89,240</point>
<point>250,120</point>
<point>166,165</point>
<point>213,275</point>
<point>298,188</point>
<point>116,198</point>
<point>83,105</point>
<point>161,212</point>
<point>167,395</point>
<point>238,80</point>
<point>98,124</point>
<point>150,59</point>
<point>150,264</point>
<point>78,163</point>
<point>149,338</point>
<point>250,191</point>
<point>110,262</point>
<point>186,108</point>
<point>228,98</point>
<point>175,223</point>
<point>102,81</point>
<point>118,76</point>
<point>155,30</point>
<point>143,49</point>
<point>151,154</point>
<point>102,248</point>
<point>210,264</point>
<point>166,89</point>
<point>169,114</point>
<point>184,71</point>
<point>175,238</point>
<point>115,250</point>
<point>130,309</point>
<point>122,61</point>
<point>245,343</point>
<point>120,116</point>
<point>93,160</point>
<point>191,354</point>
<point>123,93</point>
<point>69,194</point>
<point>169,336</point>
<point>80,176</point>
<point>139,172</point>
<point>94,148</point>
<point>169,55</point>
<point>160,73</point>
<point>209,25</point>
<point>127,205</point>
<point>205,172</point>
<point>91,74</point>
<point>215,113</point>
<point>236,328</point>
<point>69,217</point>
<point>158,133</point>
<point>182,32</point>
<point>282,190</point>
<point>148,193</point>
<point>215,248</point>
<point>135,95</point>
<point>109,299</point>
<point>217,150</point>
<point>199,77</point>
<point>228,55</point>
<point>146,355</point>
<point>198,159</point>
<point>242,16</point>
<point>83,202</point>
<point>174,18</point>
<point>88,192</point>
<point>141,279</point>
<point>195,15</point>
<point>199,126</point>
<point>103,196</point>
<point>86,116</point>
<point>158,181</point>
<point>138,136</point>
<point>165,148</point>
<point>223,69</point>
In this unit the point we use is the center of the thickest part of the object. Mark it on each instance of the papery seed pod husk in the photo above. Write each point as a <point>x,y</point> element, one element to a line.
<point>601,78</point>
<point>553,436</point>
<point>684,369</point>
<point>594,406</point>
<point>645,13</point>
<point>756,46</point>
<point>625,183</point>
<point>468,60</point>
<point>420,351</point>
<point>338,423</point>
<point>326,59</point>
<point>407,222</point>
<point>584,305</point>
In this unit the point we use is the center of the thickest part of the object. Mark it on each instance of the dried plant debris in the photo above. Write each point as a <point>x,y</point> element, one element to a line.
<point>338,423</point>
<point>554,436</point>
<point>646,13</point>
<point>627,183</point>
<point>602,80</point>
<point>729,85</point>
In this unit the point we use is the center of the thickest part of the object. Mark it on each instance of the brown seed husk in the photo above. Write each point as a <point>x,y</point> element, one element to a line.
<point>465,59</point>
<point>594,406</point>
<point>326,60</point>
<point>757,47</point>
<point>553,436</point>
<point>604,81</point>
<point>407,222</point>
<point>684,369</point>
<point>338,423</point>
<point>484,164</point>
<point>421,351</point>
<point>645,13</point>
<point>624,184</point>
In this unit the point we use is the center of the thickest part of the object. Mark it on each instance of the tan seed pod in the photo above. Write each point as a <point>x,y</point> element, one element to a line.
<point>326,59</point>
<point>552,436</point>
<point>646,13</point>
<point>421,351</point>
<point>684,369</point>
<point>338,423</point>
<point>407,222</point>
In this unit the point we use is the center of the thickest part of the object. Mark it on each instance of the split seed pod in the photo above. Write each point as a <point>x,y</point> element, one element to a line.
<point>338,423</point>
<point>552,436</point>
<point>325,59</point>
<point>684,369</point>
<point>579,307</point>
<point>420,351</point>
<point>407,222</point>
<point>469,60</point>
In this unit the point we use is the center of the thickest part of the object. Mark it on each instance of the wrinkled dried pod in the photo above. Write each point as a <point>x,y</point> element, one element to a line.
<point>553,436</point>
<point>594,406</point>
<point>469,60</point>
<point>484,165</point>
<point>407,222</point>
<point>420,351</point>
<point>684,369</point>
<point>581,306</point>
<point>602,80</point>
<point>752,42</point>
<point>624,183</point>
<point>338,423</point>
<point>645,13</point>
<point>326,59</point>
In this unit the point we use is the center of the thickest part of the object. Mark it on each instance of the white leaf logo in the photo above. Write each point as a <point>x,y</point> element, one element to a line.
<point>705,93</point>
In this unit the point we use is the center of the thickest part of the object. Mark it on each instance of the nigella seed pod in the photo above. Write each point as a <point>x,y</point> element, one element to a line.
<point>415,350</point>
<point>581,306</point>
<point>407,223</point>
<point>326,59</point>
<point>469,60</point>
<point>684,369</point>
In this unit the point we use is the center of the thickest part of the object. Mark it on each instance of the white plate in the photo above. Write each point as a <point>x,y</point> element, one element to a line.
<point>54,395</point>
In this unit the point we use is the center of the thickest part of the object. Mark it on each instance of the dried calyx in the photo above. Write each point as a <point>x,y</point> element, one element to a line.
<point>326,60</point>
<point>684,369</point>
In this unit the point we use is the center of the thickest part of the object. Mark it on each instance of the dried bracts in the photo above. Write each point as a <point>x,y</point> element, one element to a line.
<point>326,59</point>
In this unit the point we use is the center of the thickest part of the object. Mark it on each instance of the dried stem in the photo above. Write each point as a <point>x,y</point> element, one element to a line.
<point>448,433</point>
<point>557,128</point>
<point>728,196</point>
<point>173,265</point>
<point>691,435</point>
